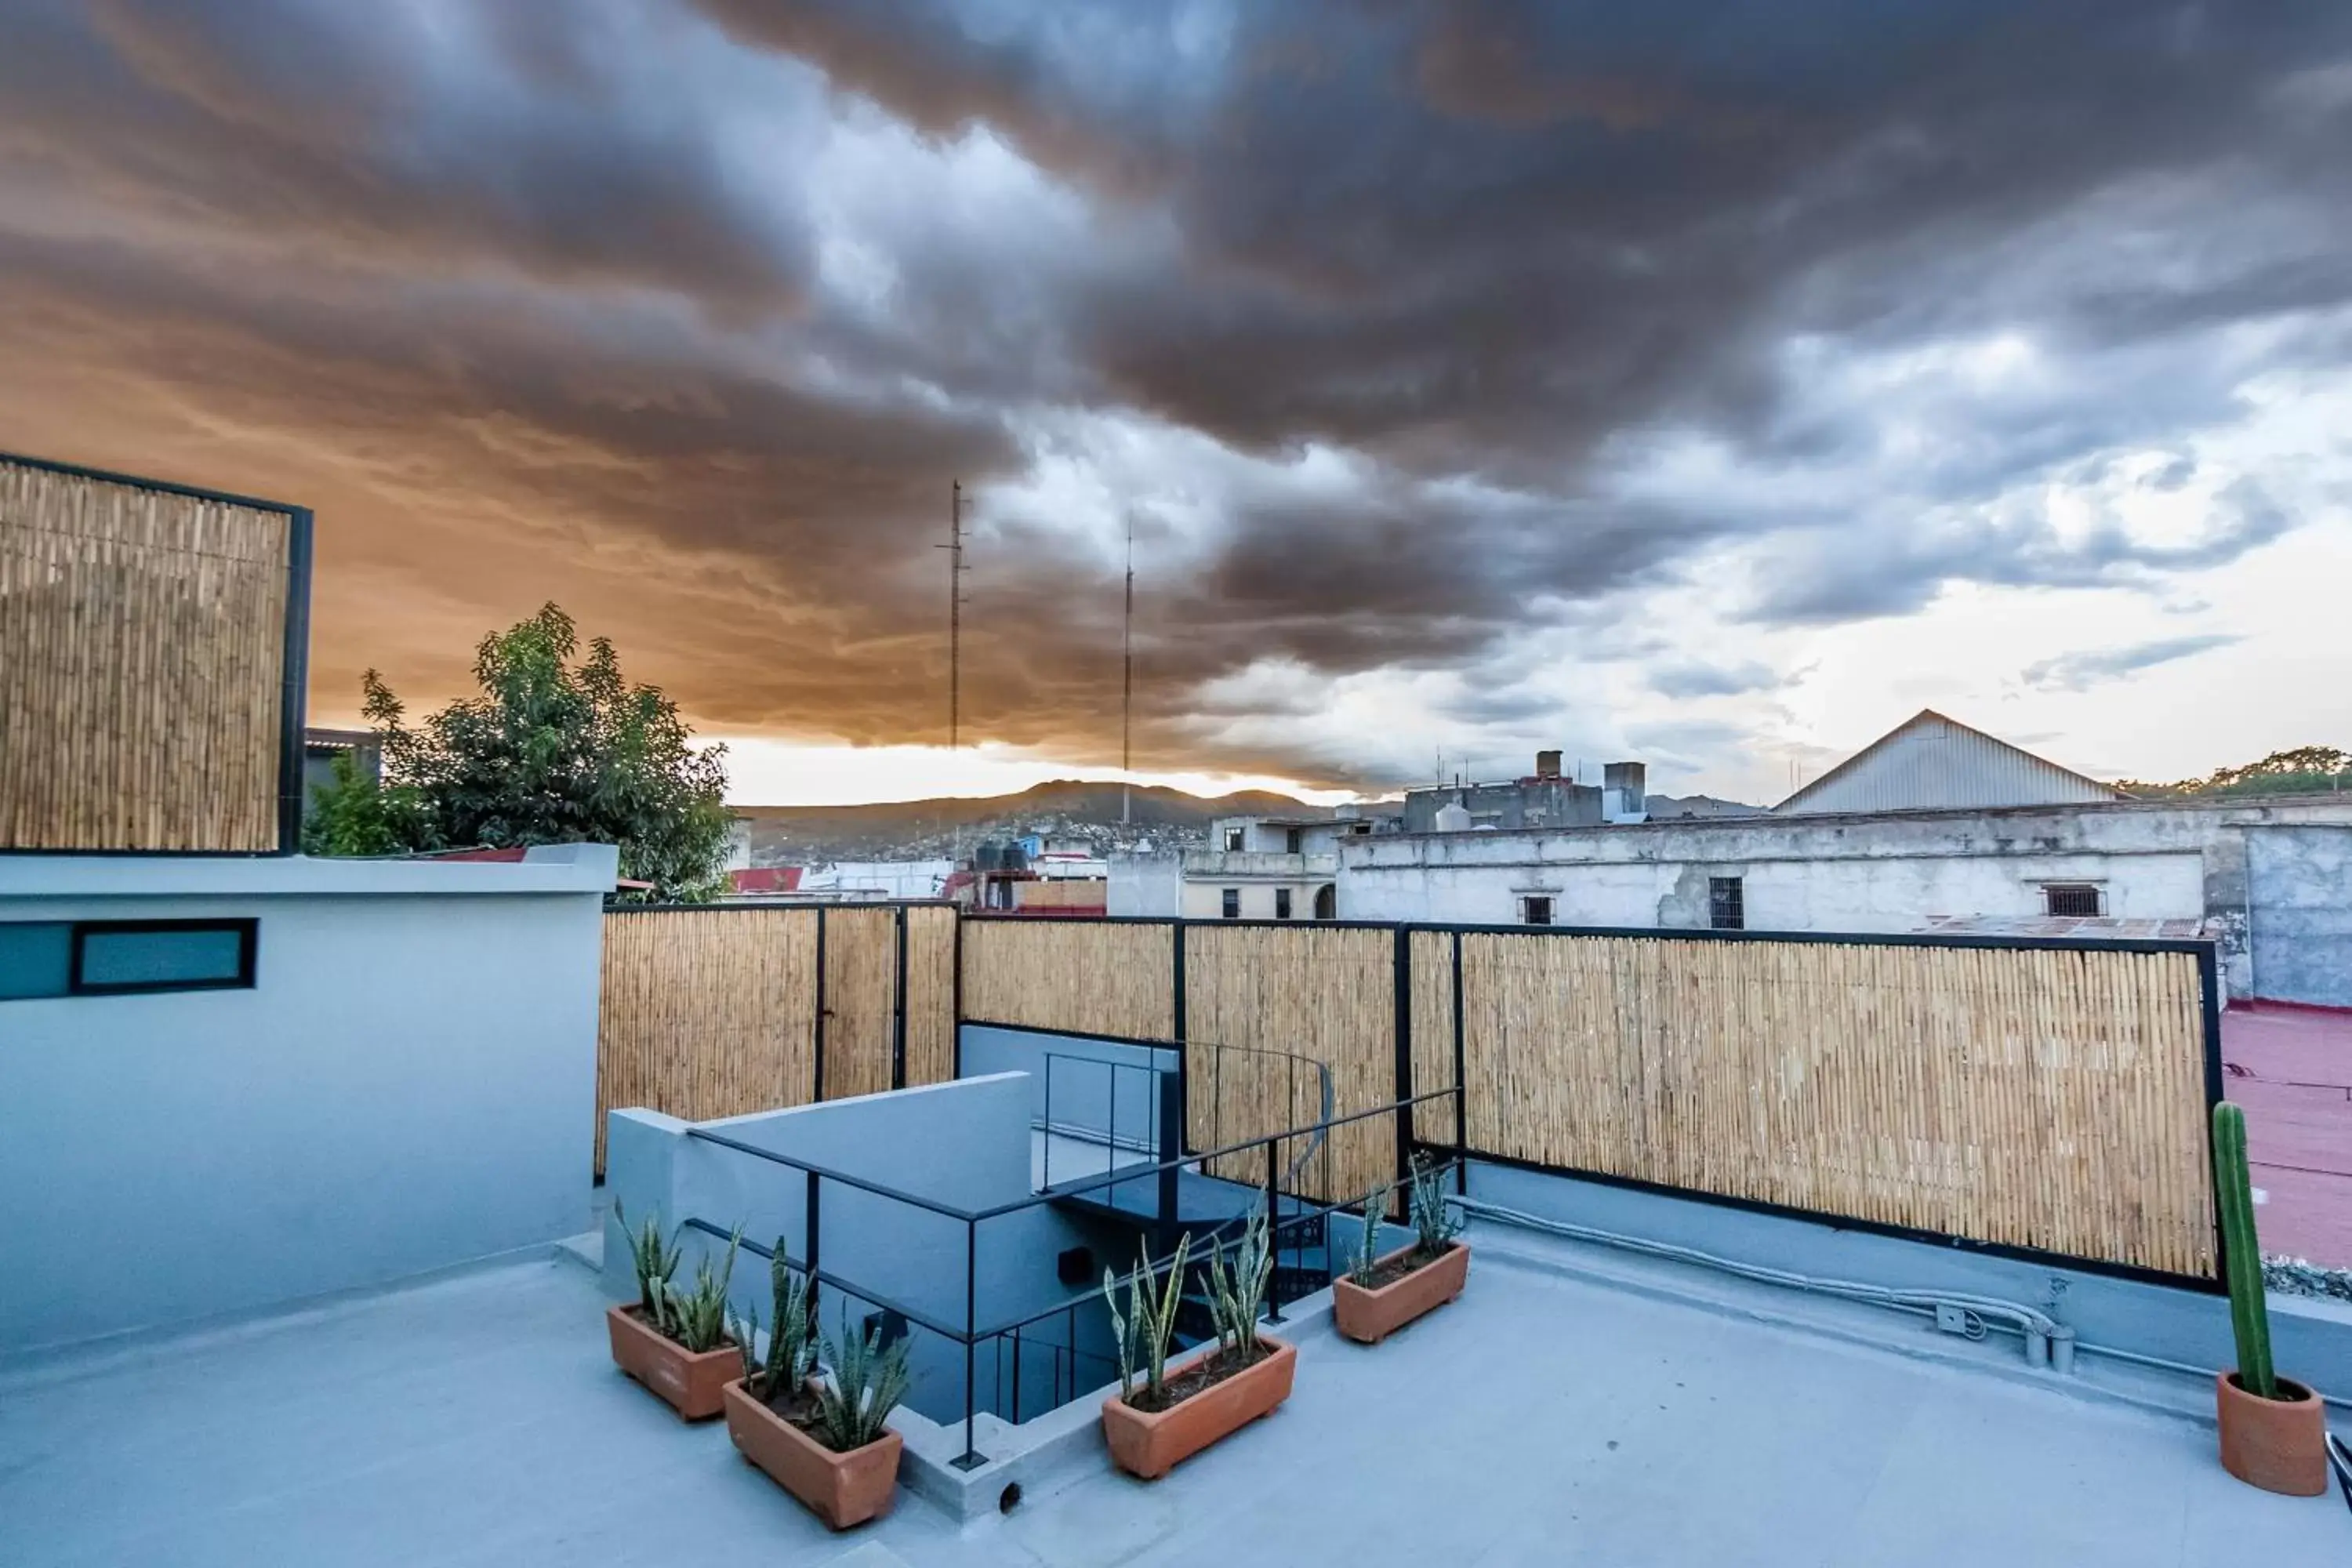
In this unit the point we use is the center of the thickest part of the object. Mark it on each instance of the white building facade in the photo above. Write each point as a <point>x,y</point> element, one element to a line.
<point>2239,867</point>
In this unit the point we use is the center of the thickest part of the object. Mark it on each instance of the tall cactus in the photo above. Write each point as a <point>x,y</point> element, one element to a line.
<point>2250,1316</point>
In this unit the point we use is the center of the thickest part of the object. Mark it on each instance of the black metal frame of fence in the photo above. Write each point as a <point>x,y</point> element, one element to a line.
<point>971,1334</point>
<point>2209,982</point>
<point>294,657</point>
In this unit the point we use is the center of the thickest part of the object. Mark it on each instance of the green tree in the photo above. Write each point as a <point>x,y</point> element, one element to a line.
<point>550,752</point>
<point>356,815</point>
<point>2305,770</point>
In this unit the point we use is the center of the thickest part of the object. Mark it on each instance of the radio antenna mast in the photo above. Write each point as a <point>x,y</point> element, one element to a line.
<point>1126,686</point>
<point>954,547</point>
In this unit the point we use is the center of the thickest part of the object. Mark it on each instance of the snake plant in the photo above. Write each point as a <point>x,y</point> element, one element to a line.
<point>1433,1220</point>
<point>696,1318</point>
<point>1149,1321</point>
<point>656,1259</point>
<point>792,1337</point>
<point>867,1381</point>
<point>1368,1246</point>
<point>1237,1297</point>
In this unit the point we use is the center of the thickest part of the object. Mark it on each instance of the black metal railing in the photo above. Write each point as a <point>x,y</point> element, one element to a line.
<point>1015,1333</point>
<point>1152,1138</point>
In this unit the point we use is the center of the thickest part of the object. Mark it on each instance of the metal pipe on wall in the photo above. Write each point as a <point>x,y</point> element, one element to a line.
<point>2048,1342</point>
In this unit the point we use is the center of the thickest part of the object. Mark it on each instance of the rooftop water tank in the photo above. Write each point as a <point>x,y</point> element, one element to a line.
<point>1454,817</point>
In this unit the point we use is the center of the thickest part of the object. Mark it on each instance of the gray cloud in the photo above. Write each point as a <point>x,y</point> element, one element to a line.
<point>1692,679</point>
<point>1899,569</point>
<point>2082,671</point>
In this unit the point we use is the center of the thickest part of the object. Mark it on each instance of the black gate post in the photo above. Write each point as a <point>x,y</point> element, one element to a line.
<point>817,1089</point>
<point>1461,1085</point>
<point>1403,1029</point>
<point>1171,1141</point>
<point>898,1010</point>
<point>1176,940</point>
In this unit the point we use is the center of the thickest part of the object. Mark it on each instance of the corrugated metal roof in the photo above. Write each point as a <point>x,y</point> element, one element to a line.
<point>1930,763</point>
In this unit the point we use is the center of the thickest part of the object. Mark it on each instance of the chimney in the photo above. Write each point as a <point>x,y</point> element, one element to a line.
<point>1547,765</point>
<point>1625,794</point>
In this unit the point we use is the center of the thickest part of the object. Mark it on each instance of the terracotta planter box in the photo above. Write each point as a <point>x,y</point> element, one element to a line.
<point>691,1384</point>
<point>842,1489</point>
<point>2278,1444</point>
<point>1151,1443</point>
<point>1368,1317</point>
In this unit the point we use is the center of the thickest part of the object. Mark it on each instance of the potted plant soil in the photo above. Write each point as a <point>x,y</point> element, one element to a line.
<point>1380,1295</point>
<point>1173,1411</point>
<point>675,1341</point>
<point>823,1439</point>
<point>2274,1429</point>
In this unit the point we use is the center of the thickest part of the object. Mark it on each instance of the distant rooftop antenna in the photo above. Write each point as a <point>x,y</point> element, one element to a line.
<point>1127,684</point>
<point>954,547</point>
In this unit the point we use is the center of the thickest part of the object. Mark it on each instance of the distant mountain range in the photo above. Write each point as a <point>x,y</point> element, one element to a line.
<point>926,829</point>
<point>1065,808</point>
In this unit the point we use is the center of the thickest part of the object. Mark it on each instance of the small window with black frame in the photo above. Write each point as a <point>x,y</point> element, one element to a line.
<point>1535,910</point>
<point>1726,903</point>
<point>2078,900</point>
<point>125,958</point>
<point>1230,905</point>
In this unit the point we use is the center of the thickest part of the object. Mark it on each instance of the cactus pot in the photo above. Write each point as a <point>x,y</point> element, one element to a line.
<point>843,1489</point>
<point>690,1383</point>
<point>1369,1316</point>
<point>1150,1443</point>
<point>2279,1445</point>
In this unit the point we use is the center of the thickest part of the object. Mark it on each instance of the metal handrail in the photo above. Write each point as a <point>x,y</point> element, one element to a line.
<point>1284,1221</point>
<point>1129,1172</point>
<point>1324,1100</point>
<point>1125,1174</point>
<point>971,1334</point>
<point>880,1189</point>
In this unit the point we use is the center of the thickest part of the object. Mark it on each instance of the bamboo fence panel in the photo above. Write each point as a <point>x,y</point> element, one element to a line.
<point>861,983</point>
<point>1323,993</point>
<point>707,1013</point>
<point>1090,977</point>
<point>143,639</point>
<point>2048,1099</point>
<point>1430,958</point>
<point>930,994</point>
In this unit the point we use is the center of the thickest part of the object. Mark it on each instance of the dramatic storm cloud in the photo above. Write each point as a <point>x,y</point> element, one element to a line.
<point>1716,384</point>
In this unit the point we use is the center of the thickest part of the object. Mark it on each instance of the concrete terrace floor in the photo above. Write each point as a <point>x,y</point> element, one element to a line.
<point>476,1420</point>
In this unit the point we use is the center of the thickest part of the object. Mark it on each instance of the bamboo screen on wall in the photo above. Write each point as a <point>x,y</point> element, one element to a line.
<point>1325,992</point>
<point>707,1013</point>
<point>1091,977</point>
<point>2037,1097</point>
<point>142,674</point>
<point>1431,962</point>
<point>930,994</point>
<point>861,983</point>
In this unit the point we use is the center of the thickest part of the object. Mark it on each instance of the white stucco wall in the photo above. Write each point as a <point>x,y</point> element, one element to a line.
<point>1849,894</point>
<point>1857,895</point>
<point>2153,860</point>
<point>409,1084</point>
<point>1150,885</point>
